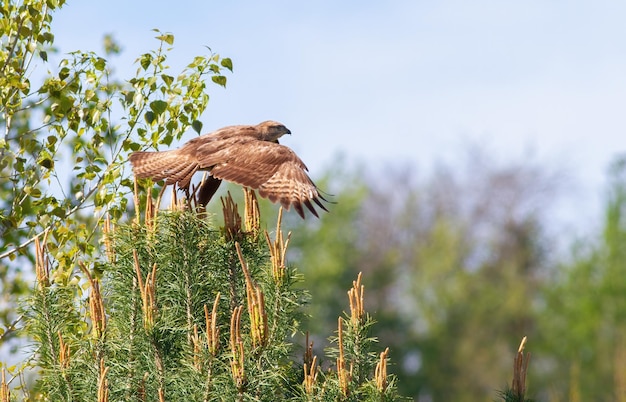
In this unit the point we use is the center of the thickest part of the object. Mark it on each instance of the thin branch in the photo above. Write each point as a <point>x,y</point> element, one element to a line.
<point>21,246</point>
<point>11,328</point>
<point>12,49</point>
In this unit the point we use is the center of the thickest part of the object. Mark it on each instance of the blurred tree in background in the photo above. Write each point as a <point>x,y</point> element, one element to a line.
<point>453,266</point>
<point>583,323</point>
<point>463,264</point>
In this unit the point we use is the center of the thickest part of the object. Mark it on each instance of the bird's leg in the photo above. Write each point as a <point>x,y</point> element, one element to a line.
<point>207,190</point>
<point>188,196</point>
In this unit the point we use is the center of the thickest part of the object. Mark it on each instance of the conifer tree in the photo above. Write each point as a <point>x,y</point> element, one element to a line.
<point>183,310</point>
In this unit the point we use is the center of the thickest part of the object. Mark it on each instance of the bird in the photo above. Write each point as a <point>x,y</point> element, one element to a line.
<point>248,155</point>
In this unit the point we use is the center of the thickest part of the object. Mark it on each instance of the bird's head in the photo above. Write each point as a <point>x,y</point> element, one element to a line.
<point>272,130</point>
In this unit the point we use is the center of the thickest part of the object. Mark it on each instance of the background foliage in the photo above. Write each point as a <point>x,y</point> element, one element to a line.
<point>463,262</point>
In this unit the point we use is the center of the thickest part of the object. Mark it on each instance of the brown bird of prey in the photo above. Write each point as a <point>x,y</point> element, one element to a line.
<point>247,155</point>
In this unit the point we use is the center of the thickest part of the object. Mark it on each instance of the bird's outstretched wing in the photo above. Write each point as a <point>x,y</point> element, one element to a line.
<point>272,169</point>
<point>174,166</point>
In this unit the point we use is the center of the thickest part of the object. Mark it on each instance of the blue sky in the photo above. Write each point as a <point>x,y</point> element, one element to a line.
<point>399,81</point>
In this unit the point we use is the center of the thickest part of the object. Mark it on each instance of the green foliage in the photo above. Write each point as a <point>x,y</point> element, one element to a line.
<point>65,142</point>
<point>166,318</point>
<point>510,396</point>
<point>586,319</point>
<point>460,268</point>
<point>24,35</point>
<point>193,265</point>
<point>452,273</point>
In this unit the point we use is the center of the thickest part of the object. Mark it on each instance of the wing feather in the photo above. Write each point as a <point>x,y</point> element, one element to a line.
<point>174,166</point>
<point>274,170</point>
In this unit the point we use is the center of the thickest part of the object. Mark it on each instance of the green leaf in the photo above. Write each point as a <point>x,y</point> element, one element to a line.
<point>100,64</point>
<point>25,87</point>
<point>35,193</point>
<point>219,79</point>
<point>197,126</point>
<point>214,68</point>
<point>149,116</point>
<point>44,55</point>
<point>167,38</point>
<point>145,61</point>
<point>227,63</point>
<point>64,73</point>
<point>168,79</point>
<point>47,163</point>
<point>46,37</point>
<point>158,106</point>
